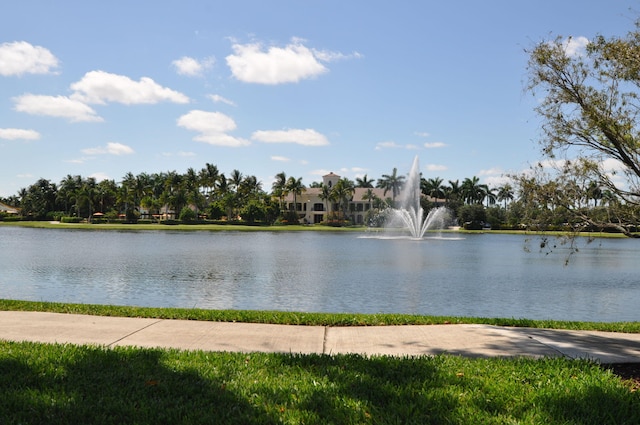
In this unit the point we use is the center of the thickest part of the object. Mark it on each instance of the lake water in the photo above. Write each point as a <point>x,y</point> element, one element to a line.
<point>486,275</point>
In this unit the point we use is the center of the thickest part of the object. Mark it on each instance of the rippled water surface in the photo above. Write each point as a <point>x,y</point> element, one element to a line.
<point>470,275</point>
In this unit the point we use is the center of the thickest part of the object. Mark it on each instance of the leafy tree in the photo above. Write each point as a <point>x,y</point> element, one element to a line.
<point>39,199</point>
<point>591,111</point>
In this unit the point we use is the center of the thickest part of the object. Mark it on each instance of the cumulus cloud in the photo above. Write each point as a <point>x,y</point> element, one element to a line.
<point>192,67</point>
<point>100,87</point>
<point>216,98</point>
<point>112,148</point>
<point>56,106</point>
<point>20,57</point>
<point>251,63</point>
<point>18,134</point>
<point>213,128</point>
<point>575,46</point>
<point>280,158</point>
<point>306,137</point>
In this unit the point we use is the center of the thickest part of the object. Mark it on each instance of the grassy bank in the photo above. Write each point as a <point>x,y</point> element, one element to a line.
<point>301,318</point>
<point>274,228</point>
<point>65,384</point>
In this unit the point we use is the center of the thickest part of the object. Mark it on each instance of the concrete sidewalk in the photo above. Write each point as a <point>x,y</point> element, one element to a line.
<point>464,340</point>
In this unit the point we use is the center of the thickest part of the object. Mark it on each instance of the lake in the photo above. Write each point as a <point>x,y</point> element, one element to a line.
<point>488,275</point>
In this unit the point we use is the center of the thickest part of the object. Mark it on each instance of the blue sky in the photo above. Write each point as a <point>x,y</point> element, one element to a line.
<point>305,87</point>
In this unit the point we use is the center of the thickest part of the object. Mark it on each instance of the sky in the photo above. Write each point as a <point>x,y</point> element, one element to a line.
<point>359,87</point>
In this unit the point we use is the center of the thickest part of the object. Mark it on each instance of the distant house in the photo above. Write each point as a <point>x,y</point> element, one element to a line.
<point>8,209</point>
<point>312,209</point>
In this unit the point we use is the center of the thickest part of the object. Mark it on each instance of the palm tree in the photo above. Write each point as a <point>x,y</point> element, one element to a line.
<point>453,191</point>
<point>364,182</point>
<point>488,194</point>
<point>296,187</point>
<point>432,187</point>
<point>472,192</point>
<point>391,182</point>
<point>69,187</point>
<point>208,177</point>
<point>325,195</point>
<point>343,192</point>
<point>505,193</point>
<point>279,188</point>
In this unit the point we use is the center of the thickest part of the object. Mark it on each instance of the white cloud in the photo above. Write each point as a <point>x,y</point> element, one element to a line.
<point>112,148</point>
<point>434,145</point>
<point>387,145</point>
<point>497,181</point>
<point>219,99</point>
<point>18,134</point>
<point>280,158</point>
<point>55,106</point>
<point>192,67</point>
<point>575,46</point>
<point>422,134</point>
<point>101,87</point>
<point>20,57</point>
<point>275,65</point>
<point>328,56</point>
<point>213,128</point>
<point>394,145</point>
<point>307,137</point>
<point>491,172</point>
<point>436,167</point>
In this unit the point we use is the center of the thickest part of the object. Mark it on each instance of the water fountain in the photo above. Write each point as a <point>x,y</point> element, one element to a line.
<point>411,214</point>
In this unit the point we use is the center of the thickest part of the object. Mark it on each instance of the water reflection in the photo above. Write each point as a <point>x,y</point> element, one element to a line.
<point>478,275</point>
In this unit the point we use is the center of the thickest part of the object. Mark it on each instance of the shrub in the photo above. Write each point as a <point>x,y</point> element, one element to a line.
<point>188,215</point>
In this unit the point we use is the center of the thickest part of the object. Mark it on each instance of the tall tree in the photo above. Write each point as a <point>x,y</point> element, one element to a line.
<point>590,109</point>
<point>296,187</point>
<point>391,182</point>
<point>279,188</point>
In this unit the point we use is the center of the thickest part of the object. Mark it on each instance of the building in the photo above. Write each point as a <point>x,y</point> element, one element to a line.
<point>313,209</point>
<point>4,208</point>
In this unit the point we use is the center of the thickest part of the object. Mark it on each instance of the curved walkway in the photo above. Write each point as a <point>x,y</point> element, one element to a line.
<point>464,340</point>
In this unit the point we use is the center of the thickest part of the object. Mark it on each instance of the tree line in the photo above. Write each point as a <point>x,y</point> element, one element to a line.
<point>209,194</point>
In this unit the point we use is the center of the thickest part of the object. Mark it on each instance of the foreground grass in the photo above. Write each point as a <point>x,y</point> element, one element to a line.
<point>300,318</point>
<point>62,384</point>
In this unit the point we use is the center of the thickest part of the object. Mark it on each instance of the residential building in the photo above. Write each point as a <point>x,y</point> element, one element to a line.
<point>312,209</point>
<point>8,209</point>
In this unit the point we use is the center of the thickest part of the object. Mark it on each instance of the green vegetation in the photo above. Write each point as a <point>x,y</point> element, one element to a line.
<point>63,384</point>
<point>299,318</point>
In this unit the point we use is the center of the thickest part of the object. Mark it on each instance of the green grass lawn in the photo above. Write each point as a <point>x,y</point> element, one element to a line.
<point>66,384</point>
<point>69,384</point>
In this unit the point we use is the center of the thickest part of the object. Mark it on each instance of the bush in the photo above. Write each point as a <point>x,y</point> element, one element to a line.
<point>187,215</point>
<point>71,219</point>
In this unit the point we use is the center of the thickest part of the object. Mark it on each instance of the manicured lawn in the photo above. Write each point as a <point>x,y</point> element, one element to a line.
<point>66,384</point>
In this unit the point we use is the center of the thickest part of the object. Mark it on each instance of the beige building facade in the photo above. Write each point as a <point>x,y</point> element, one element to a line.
<point>312,209</point>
